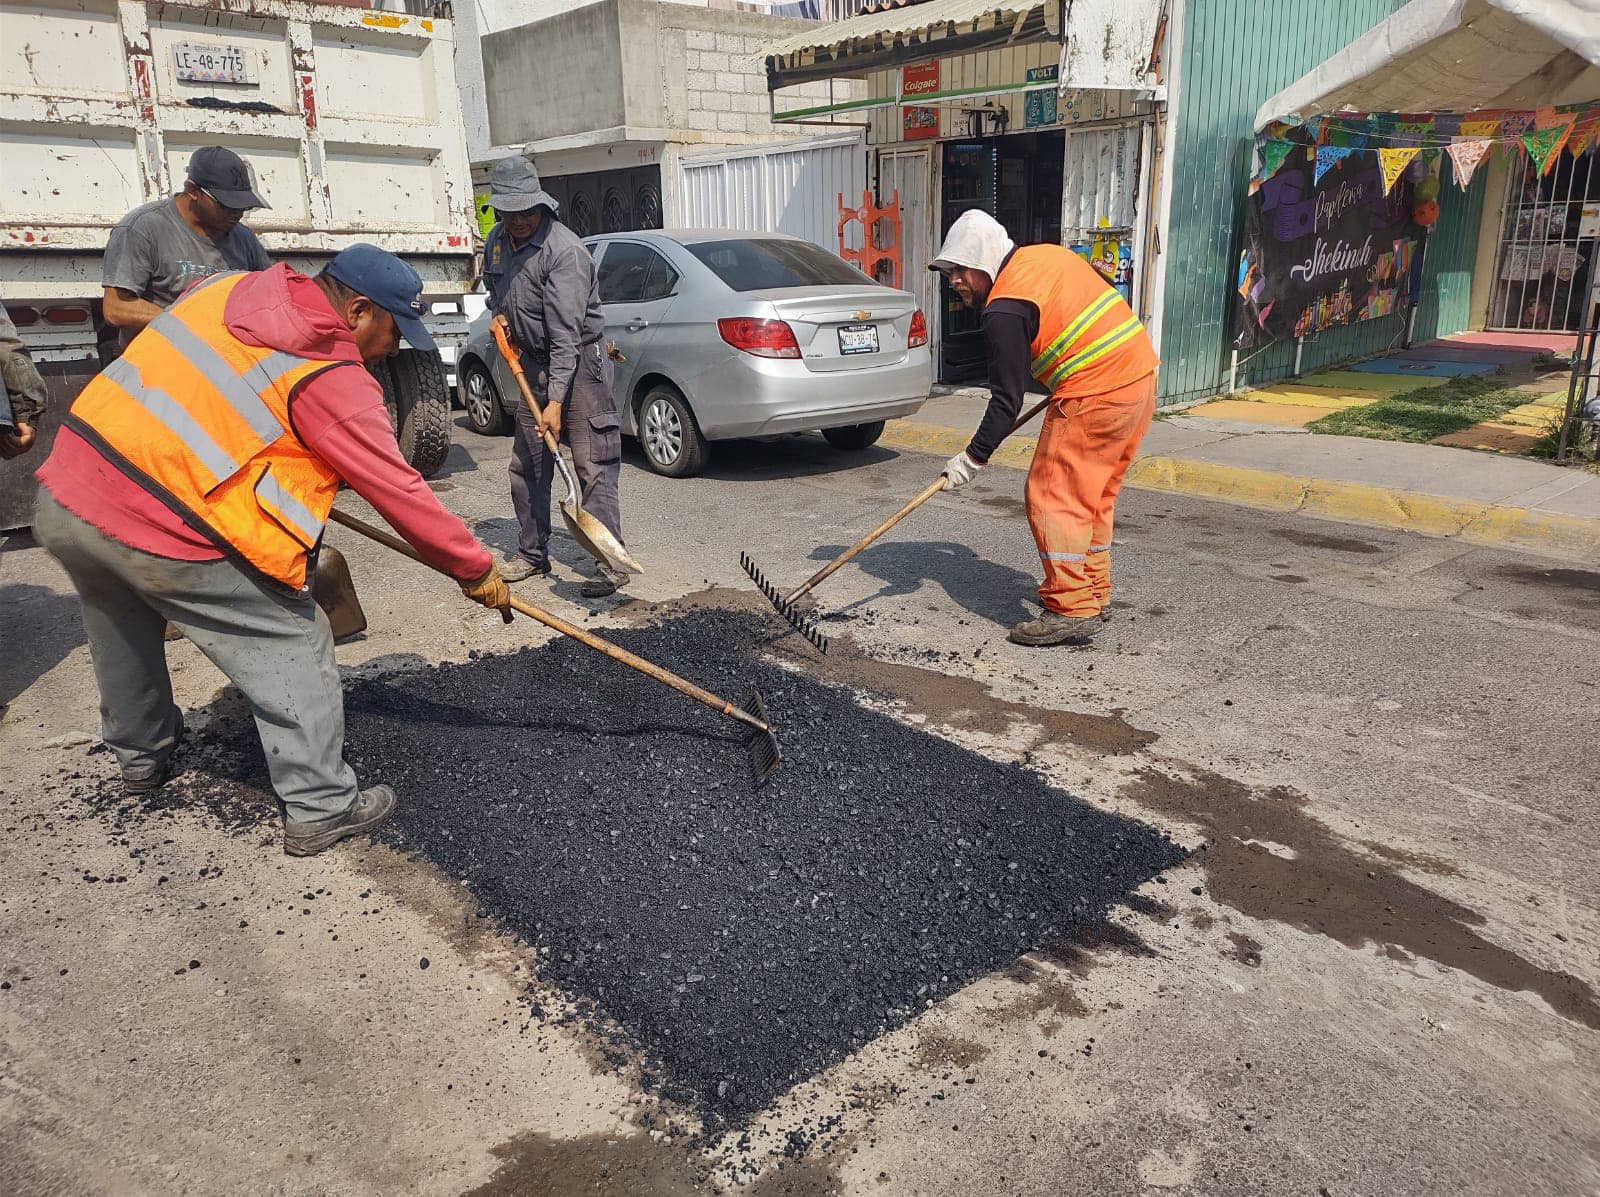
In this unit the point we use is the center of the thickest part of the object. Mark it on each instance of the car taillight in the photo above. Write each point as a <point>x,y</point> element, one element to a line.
<point>919,330</point>
<point>760,338</point>
<point>23,317</point>
<point>66,315</point>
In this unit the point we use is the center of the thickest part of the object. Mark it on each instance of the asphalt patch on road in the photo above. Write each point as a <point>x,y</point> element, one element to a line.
<point>739,938</point>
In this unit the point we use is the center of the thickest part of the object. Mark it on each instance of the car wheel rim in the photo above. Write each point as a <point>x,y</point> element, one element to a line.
<point>663,432</point>
<point>479,399</point>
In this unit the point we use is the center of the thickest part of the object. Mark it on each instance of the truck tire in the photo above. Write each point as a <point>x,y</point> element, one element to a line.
<point>418,400</point>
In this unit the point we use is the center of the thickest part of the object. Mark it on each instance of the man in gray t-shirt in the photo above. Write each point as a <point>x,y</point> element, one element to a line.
<point>161,249</point>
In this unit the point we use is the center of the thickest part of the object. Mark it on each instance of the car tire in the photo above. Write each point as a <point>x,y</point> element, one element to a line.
<point>855,437</point>
<point>486,414</point>
<point>669,434</point>
<point>418,401</point>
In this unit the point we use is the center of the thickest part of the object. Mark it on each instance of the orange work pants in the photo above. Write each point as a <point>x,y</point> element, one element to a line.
<point>1084,451</point>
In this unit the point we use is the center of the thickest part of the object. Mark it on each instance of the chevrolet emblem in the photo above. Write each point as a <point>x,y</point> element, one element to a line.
<point>863,316</point>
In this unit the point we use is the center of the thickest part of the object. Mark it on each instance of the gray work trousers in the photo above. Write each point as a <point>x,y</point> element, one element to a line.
<point>276,649</point>
<point>592,429</point>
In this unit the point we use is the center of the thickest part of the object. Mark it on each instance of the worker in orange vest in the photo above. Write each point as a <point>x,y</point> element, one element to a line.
<point>1048,316</point>
<point>191,482</point>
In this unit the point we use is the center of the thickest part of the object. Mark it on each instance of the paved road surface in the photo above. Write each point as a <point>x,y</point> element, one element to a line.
<point>1377,972</point>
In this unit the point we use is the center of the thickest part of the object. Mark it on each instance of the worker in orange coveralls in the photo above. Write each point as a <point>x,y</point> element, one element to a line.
<point>1048,315</point>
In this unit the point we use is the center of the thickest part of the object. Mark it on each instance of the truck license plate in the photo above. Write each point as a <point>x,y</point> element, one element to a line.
<point>209,63</point>
<point>858,338</point>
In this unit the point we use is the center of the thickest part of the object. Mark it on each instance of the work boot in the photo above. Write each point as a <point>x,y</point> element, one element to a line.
<point>147,779</point>
<point>370,808</point>
<point>1052,628</point>
<point>518,569</point>
<point>606,581</point>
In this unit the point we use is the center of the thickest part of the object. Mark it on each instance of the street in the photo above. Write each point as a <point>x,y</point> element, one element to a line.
<point>1363,961</point>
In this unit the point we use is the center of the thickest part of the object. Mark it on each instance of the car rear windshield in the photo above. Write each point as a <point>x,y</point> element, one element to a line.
<point>763,265</point>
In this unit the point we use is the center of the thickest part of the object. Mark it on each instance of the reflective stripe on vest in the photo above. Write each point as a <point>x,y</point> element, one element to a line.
<point>201,420</point>
<point>1088,339</point>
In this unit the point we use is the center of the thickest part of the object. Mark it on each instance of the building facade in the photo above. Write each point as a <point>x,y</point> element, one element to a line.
<point>1127,131</point>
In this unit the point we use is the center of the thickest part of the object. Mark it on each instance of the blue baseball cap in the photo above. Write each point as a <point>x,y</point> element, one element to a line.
<point>389,283</point>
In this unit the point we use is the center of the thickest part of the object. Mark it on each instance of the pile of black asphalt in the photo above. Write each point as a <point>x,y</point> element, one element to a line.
<point>740,937</point>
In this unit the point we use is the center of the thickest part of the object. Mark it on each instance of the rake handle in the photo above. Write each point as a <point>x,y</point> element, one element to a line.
<point>933,488</point>
<point>621,655</point>
<point>843,558</point>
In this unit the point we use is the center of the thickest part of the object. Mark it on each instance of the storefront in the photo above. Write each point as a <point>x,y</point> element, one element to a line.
<point>1500,106</point>
<point>966,110</point>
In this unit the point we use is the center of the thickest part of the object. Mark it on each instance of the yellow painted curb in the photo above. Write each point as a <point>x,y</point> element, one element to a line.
<point>1355,502</point>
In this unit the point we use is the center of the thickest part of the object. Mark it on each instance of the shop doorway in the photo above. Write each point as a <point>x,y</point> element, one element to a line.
<point>1546,261</point>
<point>1017,180</point>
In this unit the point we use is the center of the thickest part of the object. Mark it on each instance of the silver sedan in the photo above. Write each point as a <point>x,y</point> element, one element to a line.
<point>727,334</point>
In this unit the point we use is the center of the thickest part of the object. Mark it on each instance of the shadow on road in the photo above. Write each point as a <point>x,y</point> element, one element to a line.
<point>459,460</point>
<point>804,455</point>
<point>41,628</point>
<point>989,591</point>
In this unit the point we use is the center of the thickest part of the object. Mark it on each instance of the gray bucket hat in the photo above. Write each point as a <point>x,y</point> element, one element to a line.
<point>514,187</point>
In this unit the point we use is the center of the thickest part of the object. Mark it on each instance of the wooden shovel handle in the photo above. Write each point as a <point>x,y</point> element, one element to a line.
<point>502,338</point>
<point>934,488</point>
<point>583,636</point>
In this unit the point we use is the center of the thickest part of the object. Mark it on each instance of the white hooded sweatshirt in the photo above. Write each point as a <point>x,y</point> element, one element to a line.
<point>976,240</point>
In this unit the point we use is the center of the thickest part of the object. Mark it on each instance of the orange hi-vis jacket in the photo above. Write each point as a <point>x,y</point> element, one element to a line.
<point>1089,340</point>
<point>201,420</point>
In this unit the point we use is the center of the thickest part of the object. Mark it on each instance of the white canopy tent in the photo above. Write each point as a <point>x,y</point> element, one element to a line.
<point>1456,56</point>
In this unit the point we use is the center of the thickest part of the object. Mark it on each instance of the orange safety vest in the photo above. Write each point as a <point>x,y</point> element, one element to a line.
<point>201,421</point>
<point>1089,340</point>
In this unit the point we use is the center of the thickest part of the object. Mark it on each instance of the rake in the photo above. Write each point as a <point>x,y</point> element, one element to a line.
<point>806,623</point>
<point>762,744</point>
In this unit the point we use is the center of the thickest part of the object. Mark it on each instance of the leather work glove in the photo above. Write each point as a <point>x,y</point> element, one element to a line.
<point>490,590</point>
<point>960,470</point>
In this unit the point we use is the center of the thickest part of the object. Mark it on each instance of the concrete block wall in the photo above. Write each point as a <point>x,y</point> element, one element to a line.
<point>694,74</point>
<point>724,76</point>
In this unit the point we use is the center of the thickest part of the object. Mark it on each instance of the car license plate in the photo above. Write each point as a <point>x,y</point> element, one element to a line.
<point>858,338</point>
<point>208,63</point>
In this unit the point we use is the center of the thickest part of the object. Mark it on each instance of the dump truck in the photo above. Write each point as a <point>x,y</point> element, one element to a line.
<point>349,117</point>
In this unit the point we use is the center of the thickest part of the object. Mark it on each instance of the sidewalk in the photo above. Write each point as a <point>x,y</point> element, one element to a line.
<point>1494,391</point>
<point>1432,490</point>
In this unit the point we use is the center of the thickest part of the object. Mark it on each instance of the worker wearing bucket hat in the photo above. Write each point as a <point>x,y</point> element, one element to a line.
<point>542,283</point>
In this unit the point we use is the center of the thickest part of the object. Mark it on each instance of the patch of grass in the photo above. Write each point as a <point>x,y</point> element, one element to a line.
<point>1583,446</point>
<point>1425,413</point>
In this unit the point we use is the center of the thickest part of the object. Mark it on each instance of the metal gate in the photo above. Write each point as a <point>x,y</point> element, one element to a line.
<point>612,201</point>
<point>910,173</point>
<point>1545,263</point>
<point>791,187</point>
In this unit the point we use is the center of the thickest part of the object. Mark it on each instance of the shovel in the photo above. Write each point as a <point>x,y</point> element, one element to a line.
<point>761,743</point>
<point>805,622</point>
<point>587,530</point>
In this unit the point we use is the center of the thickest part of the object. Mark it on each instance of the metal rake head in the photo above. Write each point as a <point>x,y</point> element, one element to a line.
<point>765,755</point>
<point>800,621</point>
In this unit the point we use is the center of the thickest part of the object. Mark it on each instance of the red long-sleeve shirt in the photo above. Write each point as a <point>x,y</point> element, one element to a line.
<point>338,415</point>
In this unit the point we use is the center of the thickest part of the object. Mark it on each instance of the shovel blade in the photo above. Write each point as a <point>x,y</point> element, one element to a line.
<point>597,540</point>
<point>335,592</point>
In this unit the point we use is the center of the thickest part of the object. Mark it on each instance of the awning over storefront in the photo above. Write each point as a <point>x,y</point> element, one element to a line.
<point>877,40</point>
<point>1108,43</point>
<point>1456,56</point>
